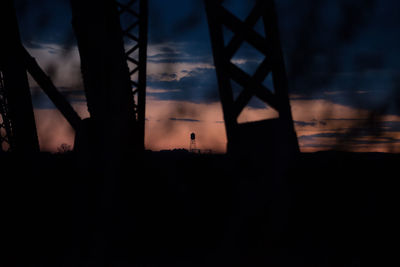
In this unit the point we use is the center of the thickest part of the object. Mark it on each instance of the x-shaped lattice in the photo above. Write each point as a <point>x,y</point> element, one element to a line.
<point>130,9</point>
<point>269,46</point>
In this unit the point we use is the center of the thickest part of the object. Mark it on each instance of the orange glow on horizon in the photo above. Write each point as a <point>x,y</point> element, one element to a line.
<point>169,124</point>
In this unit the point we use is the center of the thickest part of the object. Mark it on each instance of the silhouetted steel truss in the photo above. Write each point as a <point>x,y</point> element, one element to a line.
<point>135,32</point>
<point>134,20</point>
<point>272,64</point>
<point>5,124</point>
<point>17,124</point>
<point>17,101</point>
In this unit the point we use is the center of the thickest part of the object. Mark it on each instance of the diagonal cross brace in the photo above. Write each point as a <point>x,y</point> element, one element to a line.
<point>272,64</point>
<point>249,23</point>
<point>244,32</point>
<point>139,18</point>
<point>51,91</point>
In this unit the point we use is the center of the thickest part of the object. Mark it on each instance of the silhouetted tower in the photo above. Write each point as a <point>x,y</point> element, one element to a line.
<point>18,129</point>
<point>274,134</point>
<point>17,109</point>
<point>116,109</point>
<point>192,147</point>
<point>134,19</point>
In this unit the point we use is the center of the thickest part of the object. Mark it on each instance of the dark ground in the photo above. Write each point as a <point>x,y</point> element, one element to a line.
<point>182,209</point>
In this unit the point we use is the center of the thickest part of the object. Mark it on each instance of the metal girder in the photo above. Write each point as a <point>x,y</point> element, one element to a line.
<point>116,108</point>
<point>6,142</point>
<point>16,91</point>
<point>272,64</point>
<point>51,91</point>
<point>134,20</point>
<point>17,124</point>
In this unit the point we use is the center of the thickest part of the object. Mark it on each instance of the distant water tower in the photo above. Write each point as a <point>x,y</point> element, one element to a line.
<point>193,142</point>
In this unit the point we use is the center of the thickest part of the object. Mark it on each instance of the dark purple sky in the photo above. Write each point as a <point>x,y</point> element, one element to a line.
<point>341,51</point>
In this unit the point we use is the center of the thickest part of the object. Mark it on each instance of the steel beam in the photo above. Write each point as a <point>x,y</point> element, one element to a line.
<point>16,87</point>
<point>6,141</point>
<point>272,64</point>
<point>134,20</point>
<point>116,102</point>
<point>51,91</point>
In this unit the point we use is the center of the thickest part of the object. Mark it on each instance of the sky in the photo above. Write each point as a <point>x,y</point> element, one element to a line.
<point>342,62</point>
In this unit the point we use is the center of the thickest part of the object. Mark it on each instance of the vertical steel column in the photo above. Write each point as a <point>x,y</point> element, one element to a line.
<point>6,141</point>
<point>134,21</point>
<point>272,64</point>
<point>16,88</point>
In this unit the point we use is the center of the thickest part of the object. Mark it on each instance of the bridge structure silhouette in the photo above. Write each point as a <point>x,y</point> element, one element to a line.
<point>113,64</point>
<point>112,203</point>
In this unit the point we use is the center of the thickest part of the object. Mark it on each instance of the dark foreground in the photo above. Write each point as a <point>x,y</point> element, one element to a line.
<point>181,209</point>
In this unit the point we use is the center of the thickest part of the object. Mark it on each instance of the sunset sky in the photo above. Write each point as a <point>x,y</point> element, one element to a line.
<point>342,61</point>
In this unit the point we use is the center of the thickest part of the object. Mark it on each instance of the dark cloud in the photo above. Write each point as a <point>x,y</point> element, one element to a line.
<point>30,44</point>
<point>172,52</point>
<point>177,20</point>
<point>199,85</point>
<point>44,21</point>
<point>316,145</point>
<point>381,126</point>
<point>359,134</point>
<point>169,55</point>
<point>346,119</point>
<point>342,47</point>
<point>330,50</point>
<point>165,75</point>
<point>347,46</point>
<point>166,49</point>
<point>383,100</point>
<point>41,101</point>
<point>324,135</point>
<point>171,60</point>
<point>304,123</point>
<point>186,120</point>
<point>368,61</point>
<point>391,126</point>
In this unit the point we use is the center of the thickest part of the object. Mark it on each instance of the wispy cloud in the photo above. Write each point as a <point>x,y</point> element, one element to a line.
<point>160,91</point>
<point>185,120</point>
